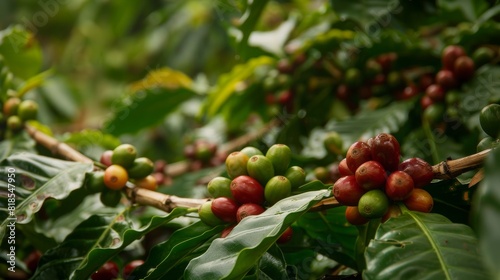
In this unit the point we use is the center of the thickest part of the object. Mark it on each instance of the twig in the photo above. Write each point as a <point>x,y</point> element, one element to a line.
<point>449,169</point>
<point>161,201</point>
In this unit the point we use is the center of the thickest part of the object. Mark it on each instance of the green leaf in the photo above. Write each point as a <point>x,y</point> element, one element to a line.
<point>90,139</point>
<point>334,237</point>
<point>486,212</point>
<point>248,22</point>
<point>20,51</point>
<point>228,83</point>
<point>167,255</point>
<point>369,123</point>
<point>21,142</point>
<point>145,108</point>
<point>272,265</point>
<point>36,179</point>
<point>462,10</point>
<point>365,12</point>
<point>232,257</point>
<point>93,242</point>
<point>422,245</point>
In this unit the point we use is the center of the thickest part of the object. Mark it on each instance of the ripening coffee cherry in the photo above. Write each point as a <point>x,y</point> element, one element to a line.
<point>225,209</point>
<point>464,68</point>
<point>419,200</point>
<point>425,102</point>
<point>106,158</point>
<point>385,149</point>
<point>344,169</point>
<point>419,170</point>
<point>207,216</point>
<point>28,110</point>
<point>11,106</point>
<point>347,191</point>
<point>277,188</point>
<point>280,155</point>
<point>141,167</point>
<point>124,155</point>
<point>107,271</point>
<point>32,260</point>
<point>435,92</point>
<point>236,164</point>
<point>333,143</point>
<point>296,175</point>
<point>110,198</point>
<point>130,267</point>
<point>450,55</point>
<point>286,236</point>
<point>248,209</point>
<point>220,186</point>
<point>322,173</point>
<point>115,177</point>
<point>409,92</point>
<point>446,79</point>
<point>149,182</point>
<point>399,185</point>
<point>14,123</point>
<point>246,189</point>
<point>373,204</point>
<point>370,175</point>
<point>353,216</point>
<point>251,151</point>
<point>359,152</point>
<point>260,168</point>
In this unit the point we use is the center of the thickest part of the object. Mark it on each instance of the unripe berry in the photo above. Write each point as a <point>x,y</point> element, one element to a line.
<point>115,177</point>
<point>353,216</point>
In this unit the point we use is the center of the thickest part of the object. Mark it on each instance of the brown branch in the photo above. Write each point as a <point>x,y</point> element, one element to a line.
<point>450,169</point>
<point>161,201</point>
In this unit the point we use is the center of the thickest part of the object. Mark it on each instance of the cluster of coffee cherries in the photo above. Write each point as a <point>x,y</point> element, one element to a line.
<point>110,270</point>
<point>121,165</point>
<point>255,182</point>
<point>15,112</point>
<point>373,181</point>
<point>202,153</point>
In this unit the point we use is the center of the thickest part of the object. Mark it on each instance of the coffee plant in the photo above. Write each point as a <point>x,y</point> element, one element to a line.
<point>250,139</point>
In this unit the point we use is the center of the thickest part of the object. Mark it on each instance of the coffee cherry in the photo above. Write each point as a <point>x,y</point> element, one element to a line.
<point>392,212</point>
<point>107,271</point>
<point>386,61</point>
<point>482,56</point>
<point>321,173</point>
<point>251,151</point>
<point>399,185</point>
<point>489,118</point>
<point>353,217</point>
<point>248,209</point>
<point>190,152</point>
<point>347,191</point>
<point>277,188</point>
<point>14,123</point>
<point>450,55</point>
<point>11,106</point>
<point>106,158</point>
<point>425,81</point>
<point>425,102</point>
<point>419,170</point>
<point>280,155</point>
<point>419,200</point>
<point>373,204</point>
<point>110,198</point>
<point>435,92</point>
<point>359,152</point>
<point>141,167</point>
<point>464,68</point>
<point>28,110</point>
<point>296,175</point>
<point>385,149</point>
<point>370,175</point>
<point>353,78</point>
<point>219,187</point>
<point>95,182</point>
<point>344,169</point>
<point>446,79</point>
<point>409,92</point>
<point>434,113</point>
<point>286,236</point>
<point>160,165</point>
<point>149,182</point>
<point>124,155</point>
<point>226,231</point>
<point>487,143</point>
<point>372,68</point>
<point>343,92</point>
<point>115,177</point>
<point>246,189</point>
<point>260,168</point>
<point>225,209</point>
<point>395,80</point>
<point>236,164</point>
<point>207,216</point>
<point>129,268</point>
<point>333,143</point>
<point>32,260</point>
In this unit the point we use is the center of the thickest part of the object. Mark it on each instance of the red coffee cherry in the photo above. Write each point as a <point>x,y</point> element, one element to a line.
<point>353,217</point>
<point>108,271</point>
<point>450,55</point>
<point>347,191</point>
<point>344,169</point>
<point>419,200</point>
<point>226,231</point>
<point>285,236</point>
<point>248,209</point>
<point>371,175</point>
<point>106,158</point>
<point>385,150</point>
<point>446,79</point>
<point>129,267</point>
<point>399,185</point>
<point>435,92</point>
<point>419,170</point>
<point>246,189</point>
<point>359,152</point>
<point>464,68</point>
<point>225,209</point>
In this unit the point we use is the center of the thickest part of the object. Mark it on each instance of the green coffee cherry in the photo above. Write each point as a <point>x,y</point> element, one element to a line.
<point>220,187</point>
<point>280,155</point>
<point>260,168</point>
<point>28,110</point>
<point>124,155</point>
<point>277,188</point>
<point>207,216</point>
<point>110,198</point>
<point>141,168</point>
<point>296,175</point>
<point>373,204</point>
<point>95,182</point>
